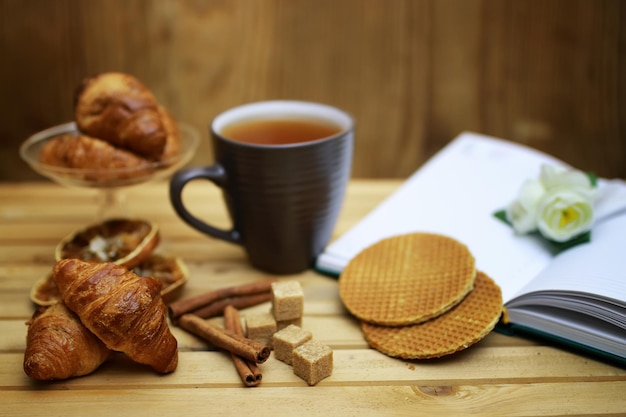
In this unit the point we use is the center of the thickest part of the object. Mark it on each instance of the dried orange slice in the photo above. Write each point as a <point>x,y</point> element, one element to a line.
<point>170,270</point>
<point>125,242</point>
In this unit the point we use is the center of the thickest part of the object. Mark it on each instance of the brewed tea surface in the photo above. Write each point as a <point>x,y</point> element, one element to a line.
<point>279,131</point>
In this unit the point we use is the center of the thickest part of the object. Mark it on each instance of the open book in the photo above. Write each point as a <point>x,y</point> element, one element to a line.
<point>577,296</point>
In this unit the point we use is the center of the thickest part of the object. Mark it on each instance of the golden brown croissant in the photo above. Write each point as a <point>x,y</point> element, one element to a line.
<point>84,152</point>
<point>172,142</point>
<point>124,310</point>
<point>59,346</point>
<point>119,109</point>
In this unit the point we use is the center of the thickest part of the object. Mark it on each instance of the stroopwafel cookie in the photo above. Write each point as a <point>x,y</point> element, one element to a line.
<point>407,279</point>
<point>467,323</point>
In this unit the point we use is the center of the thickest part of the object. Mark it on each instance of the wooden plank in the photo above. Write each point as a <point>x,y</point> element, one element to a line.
<point>20,221</point>
<point>543,93</point>
<point>340,332</point>
<point>320,291</point>
<point>553,399</point>
<point>456,53</point>
<point>352,367</point>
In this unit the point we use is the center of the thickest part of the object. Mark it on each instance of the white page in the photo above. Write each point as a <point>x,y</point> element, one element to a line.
<point>598,267</point>
<point>456,193</point>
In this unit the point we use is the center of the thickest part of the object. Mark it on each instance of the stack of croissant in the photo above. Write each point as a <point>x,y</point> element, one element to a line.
<point>105,307</point>
<point>121,127</point>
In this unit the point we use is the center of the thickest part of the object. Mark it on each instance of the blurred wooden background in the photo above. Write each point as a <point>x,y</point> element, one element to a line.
<point>414,73</point>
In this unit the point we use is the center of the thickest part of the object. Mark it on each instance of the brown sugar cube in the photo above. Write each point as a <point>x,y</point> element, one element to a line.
<point>261,327</point>
<point>284,323</point>
<point>312,361</point>
<point>287,339</point>
<point>287,300</point>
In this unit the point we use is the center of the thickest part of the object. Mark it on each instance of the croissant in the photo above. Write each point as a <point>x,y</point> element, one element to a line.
<point>119,109</point>
<point>172,141</point>
<point>84,152</point>
<point>59,346</point>
<point>124,310</point>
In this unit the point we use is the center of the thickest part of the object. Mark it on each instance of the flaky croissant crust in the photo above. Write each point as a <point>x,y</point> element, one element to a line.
<point>59,346</point>
<point>123,310</point>
<point>94,155</point>
<point>119,109</point>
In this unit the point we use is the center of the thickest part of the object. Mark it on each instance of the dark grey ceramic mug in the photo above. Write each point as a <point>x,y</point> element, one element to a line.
<point>283,199</point>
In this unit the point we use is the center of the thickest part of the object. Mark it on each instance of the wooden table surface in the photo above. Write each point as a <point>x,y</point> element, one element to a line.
<point>499,376</point>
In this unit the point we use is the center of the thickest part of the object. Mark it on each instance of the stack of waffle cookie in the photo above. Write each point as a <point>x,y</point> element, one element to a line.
<point>420,296</point>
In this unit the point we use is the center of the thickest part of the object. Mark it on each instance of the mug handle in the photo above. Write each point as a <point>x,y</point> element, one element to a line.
<point>215,174</point>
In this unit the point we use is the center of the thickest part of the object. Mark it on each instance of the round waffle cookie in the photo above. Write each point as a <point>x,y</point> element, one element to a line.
<point>467,323</point>
<point>407,279</point>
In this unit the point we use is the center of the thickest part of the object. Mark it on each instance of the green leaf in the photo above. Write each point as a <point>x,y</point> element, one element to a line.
<point>593,179</point>
<point>501,215</point>
<point>575,241</point>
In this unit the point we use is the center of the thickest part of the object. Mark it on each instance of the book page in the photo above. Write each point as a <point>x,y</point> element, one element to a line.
<point>598,267</point>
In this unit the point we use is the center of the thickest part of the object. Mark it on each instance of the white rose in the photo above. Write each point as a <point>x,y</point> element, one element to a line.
<point>553,177</point>
<point>564,213</point>
<point>522,213</point>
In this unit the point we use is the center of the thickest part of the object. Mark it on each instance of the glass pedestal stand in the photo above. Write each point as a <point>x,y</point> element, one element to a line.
<point>111,204</point>
<point>111,184</point>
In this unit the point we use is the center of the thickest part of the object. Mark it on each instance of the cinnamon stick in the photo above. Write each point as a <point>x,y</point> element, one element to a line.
<point>187,305</point>
<point>249,377</point>
<point>242,346</point>
<point>217,307</point>
<point>232,321</point>
<point>249,373</point>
